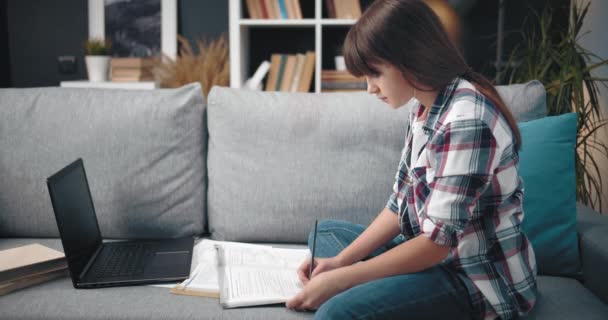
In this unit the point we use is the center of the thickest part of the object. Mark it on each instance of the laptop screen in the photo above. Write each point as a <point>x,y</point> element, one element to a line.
<point>75,215</point>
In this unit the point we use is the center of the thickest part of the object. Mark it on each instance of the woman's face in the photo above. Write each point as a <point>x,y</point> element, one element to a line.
<point>390,86</point>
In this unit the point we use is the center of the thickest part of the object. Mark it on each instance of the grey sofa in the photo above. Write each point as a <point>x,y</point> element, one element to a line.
<point>240,166</point>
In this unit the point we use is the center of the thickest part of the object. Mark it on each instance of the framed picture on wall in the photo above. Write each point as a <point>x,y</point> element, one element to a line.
<point>139,28</point>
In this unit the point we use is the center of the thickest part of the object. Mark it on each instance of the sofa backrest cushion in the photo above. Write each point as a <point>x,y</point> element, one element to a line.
<point>278,161</point>
<point>143,152</point>
<point>527,101</point>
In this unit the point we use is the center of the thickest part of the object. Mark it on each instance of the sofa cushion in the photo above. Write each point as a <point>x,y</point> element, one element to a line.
<point>546,163</point>
<point>278,161</point>
<point>564,299</point>
<point>527,101</point>
<point>57,299</point>
<point>143,152</point>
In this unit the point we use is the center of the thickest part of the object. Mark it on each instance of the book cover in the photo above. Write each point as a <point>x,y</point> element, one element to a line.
<point>265,14</point>
<point>282,9</point>
<point>290,67</point>
<point>281,73</point>
<point>10,286</point>
<point>133,62</point>
<point>297,76</point>
<point>271,81</point>
<point>297,9</point>
<point>27,260</point>
<point>307,73</point>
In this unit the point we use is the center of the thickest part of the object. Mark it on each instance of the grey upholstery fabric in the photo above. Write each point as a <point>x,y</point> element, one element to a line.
<point>142,150</point>
<point>58,299</point>
<point>593,241</point>
<point>560,298</point>
<point>527,101</point>
<point>278,161</point>
<point>566,299</point>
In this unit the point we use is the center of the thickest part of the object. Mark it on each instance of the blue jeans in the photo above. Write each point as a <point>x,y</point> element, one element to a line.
<point>430,294</point>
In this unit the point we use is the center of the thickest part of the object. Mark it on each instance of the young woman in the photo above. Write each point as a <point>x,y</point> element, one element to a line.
<point>449,244</point>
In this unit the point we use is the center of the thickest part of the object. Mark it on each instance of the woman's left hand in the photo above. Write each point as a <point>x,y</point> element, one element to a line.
<point>318,290</point>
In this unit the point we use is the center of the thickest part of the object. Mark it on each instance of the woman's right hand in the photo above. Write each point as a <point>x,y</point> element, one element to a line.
<point>321,265</point>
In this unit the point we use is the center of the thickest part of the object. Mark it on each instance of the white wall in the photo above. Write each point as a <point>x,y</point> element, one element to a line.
<point>596,41</point>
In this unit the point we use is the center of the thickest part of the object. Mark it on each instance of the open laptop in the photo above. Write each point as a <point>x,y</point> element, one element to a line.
<point>94,264</point>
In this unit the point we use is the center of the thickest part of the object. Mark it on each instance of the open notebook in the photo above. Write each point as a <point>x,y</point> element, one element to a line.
<point>203,280</point>
<point>250,276</point>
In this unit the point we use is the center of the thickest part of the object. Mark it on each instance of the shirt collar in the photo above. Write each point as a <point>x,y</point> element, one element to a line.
<point>440,106</point>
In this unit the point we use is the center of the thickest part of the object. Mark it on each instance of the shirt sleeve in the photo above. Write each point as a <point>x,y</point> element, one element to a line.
<point>399,186</point>
<point>463,157</point>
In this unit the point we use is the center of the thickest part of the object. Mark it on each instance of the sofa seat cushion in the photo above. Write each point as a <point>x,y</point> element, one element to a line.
<point>564,299</point>
<point>143,152</point>
<point>57,299</point>
<point>560,298</point>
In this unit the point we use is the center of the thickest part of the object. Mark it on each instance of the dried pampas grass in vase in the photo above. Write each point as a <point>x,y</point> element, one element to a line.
<point>209,66</point>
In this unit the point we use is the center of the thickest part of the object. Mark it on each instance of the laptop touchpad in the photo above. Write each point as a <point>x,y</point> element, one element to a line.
<point>176,263</point>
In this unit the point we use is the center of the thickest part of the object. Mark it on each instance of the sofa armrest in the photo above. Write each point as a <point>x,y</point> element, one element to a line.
<point>593,240</point>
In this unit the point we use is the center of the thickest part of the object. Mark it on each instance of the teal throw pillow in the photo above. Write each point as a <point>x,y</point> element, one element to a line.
<point>546,164</point>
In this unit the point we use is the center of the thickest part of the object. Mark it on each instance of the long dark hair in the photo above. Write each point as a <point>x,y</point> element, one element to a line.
<point>408,35</point>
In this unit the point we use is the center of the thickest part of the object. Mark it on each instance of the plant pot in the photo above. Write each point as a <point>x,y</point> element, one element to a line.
<point>97,67</point>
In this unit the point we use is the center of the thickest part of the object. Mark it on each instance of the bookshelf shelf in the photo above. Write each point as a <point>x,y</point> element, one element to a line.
<point>275,22</point>
<point>254,40</point>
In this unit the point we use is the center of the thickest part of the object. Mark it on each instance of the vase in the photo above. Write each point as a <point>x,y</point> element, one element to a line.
<point>97,67</point>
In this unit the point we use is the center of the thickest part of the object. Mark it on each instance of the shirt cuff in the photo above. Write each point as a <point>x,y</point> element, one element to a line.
<point>440,233</point>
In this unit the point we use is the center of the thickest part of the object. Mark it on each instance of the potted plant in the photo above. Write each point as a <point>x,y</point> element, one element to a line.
<point>97,59</point>
<point>564,68</point>
<point>209,65</point>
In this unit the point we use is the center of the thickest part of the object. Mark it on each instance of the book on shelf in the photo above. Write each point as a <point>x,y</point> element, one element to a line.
<point>343,9</point>
<point>28,265</point>
<point>274,9</point>
<point>291,72</point>
<point>251,276</point>
<point>307,72</point>
<point>133,62</point>
<point>288,73</point>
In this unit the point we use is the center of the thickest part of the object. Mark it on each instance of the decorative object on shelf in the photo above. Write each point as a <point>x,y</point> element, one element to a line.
<point>339,62</point>
<point>209,65</point>
<point>255,82</point>
<point>137,28</point>
<point>564,68</point>
<point>97,59</point>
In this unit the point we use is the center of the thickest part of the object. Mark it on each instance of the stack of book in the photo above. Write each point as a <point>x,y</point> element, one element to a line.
<point>291,72</point>
<point>343,9</point>
<point>132,69</point>
<point>274,9</point>
<point>29,265</point>
<point>334,80</point>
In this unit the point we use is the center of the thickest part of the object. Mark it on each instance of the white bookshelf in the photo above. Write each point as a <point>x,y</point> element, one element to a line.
<point>240,46</point>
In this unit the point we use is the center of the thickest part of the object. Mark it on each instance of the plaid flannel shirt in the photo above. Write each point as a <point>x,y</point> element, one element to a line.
<point>464,191</point>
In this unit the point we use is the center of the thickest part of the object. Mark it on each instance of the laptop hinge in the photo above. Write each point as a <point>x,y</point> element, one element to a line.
<point>90,263</point>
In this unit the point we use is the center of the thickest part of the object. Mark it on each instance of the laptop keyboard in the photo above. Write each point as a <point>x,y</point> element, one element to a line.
<point>123,260</point>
